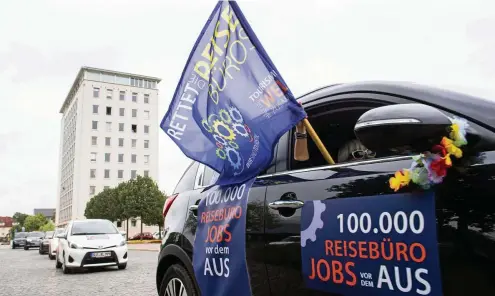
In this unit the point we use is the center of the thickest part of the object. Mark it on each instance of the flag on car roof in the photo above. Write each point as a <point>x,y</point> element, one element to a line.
<point>231,104</point>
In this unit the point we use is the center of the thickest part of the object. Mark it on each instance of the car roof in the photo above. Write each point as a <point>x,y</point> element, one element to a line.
<point>476,109</point>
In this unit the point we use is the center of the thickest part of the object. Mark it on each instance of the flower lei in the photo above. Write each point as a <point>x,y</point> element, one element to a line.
<point>430,168</point>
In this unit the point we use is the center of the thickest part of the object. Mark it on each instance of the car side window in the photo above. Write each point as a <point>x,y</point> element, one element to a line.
<point>334,123</point>
<point>210,176</point>
<point>186,183</point>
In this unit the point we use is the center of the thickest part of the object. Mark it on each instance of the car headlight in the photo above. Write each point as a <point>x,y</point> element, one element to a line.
<point>29,240</point>
<point>123,243</point>
<point>74,246</point>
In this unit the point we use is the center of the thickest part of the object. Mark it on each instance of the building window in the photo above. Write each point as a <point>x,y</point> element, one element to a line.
<point>94,140</point>
<point>121,111</point>
<point>134,112</point>
<point>121,127</point>
<point>133,143</point>
<point>109,94</point>
<point>133,158</point>
<point>95,109</point>
<point>121,142</point>
<point>122,95</point>
<point>146,173</point>
<point>119,224</point>
<point>94,125</point>
<point>146,115</point>
<point>146,159</point>
<point>109,110</point>
<point>108,141</point>
<point>120,174</point>
<point>146,98</point>
<point>109,126</point>
<point>92,190</point>
<point>133,174</point>
<point>146,144</point>
<point>133,223</point>
<point>92,173</point>
<point>96,92</point>
<point>107,157</point>
<point>146,129</point>
<point>93,156</point>
<point>107,174</point>
<point>121,157</point>
<point>134,128</point>
<point>134,97</point>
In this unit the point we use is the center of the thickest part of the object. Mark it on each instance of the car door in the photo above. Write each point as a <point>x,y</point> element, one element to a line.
<point>254,228</point>
<point>63,242</point>
<point>465,210</point>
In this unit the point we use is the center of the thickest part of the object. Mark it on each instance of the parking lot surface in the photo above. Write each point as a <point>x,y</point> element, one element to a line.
<point>27,273</point>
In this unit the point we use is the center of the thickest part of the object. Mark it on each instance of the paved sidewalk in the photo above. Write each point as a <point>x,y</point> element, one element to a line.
<point>144,247</point>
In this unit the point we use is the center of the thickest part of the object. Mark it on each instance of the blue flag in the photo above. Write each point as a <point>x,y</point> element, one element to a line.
<point>231,105</point>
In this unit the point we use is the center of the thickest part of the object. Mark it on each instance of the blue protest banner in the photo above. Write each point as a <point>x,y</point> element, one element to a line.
<point>231,104</point>
<point>376,245</point>
<point>219,257</point>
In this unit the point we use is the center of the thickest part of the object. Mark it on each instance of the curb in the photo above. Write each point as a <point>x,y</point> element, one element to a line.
<point>143,250</point>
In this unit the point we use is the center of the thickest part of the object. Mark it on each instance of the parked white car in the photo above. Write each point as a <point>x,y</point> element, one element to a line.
<point>91,243</point>
<point>52,247</point>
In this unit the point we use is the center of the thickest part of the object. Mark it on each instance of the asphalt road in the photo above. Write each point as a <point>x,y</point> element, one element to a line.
<point>26,273</point>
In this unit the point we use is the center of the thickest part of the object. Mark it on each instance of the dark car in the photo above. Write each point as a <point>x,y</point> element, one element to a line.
<point>19,239</point>
<point>465,201</point>
<point>45,243</point>
<point>33,239</point>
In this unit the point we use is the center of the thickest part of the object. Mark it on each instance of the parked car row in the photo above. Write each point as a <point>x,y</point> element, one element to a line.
<point>81,244</point>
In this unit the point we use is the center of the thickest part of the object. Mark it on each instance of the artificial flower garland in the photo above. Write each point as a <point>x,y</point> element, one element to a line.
<point>429,168</point>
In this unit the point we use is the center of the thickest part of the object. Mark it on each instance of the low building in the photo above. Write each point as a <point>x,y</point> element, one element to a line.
<point>5,226</point>
<point>48,213</point>
<point>135,227</point>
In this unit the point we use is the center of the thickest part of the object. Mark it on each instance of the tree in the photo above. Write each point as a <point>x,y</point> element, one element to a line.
<point>20,218</point>
<point>154,214</point>
<point>34,223</point>
<point>49,226</point>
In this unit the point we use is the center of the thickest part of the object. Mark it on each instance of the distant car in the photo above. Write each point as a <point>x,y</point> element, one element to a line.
<point>142,236</point>
<point>19,239</point>
<point>33,239</point>
<point>90,243</point>
<point>45,242</point>
<point>52,247</point>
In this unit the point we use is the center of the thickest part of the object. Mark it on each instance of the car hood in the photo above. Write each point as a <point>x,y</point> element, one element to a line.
<point>97,241</point>
<point>19,239</point>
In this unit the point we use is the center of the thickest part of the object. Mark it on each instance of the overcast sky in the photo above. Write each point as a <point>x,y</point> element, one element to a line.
<point>313,43</point>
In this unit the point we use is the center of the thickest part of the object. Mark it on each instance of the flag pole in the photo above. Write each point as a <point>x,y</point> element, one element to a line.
<point>312,133</point>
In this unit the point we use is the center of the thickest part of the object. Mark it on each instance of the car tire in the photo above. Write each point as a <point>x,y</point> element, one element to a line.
<point>13,246</point>
<point>40,251</point>
<point>122,266</point>
<point>65,269</point>
<point>57,263</point>
<point>26,248</point>
<point>178,274</point>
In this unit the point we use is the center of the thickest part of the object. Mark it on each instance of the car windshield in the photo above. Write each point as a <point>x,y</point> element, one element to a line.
<point>20,235</point>
<point>36,234</point>
<point>58,231</point>
<point>48,234</point>
<point>93,227</point>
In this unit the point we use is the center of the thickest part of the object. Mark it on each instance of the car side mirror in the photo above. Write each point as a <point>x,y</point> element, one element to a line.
<point>61,235</point>
<point>123,233</point>
<point>415,126</point>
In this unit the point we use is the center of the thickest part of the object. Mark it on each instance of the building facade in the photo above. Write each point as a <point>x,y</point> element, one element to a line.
<point>5,226</point>
<point>109,134</point>
<point>48,213</point>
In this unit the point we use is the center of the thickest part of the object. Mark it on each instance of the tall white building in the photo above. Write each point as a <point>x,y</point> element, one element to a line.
<point>109,134</point>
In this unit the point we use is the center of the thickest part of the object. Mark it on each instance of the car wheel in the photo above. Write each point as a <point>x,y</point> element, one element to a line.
<point>57,263</point>
<point>122,266</point>
<point>13,246</point>
<point>26,248</point>
<point>177,282</point>
<point>65,269</point>
<point>40,252</point>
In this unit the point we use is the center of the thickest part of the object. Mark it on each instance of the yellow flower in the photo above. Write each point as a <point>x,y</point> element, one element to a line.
<point>451,148</point>
<point>400,179</point>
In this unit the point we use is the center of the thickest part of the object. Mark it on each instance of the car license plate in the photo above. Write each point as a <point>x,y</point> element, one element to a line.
<point>101,254</point>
